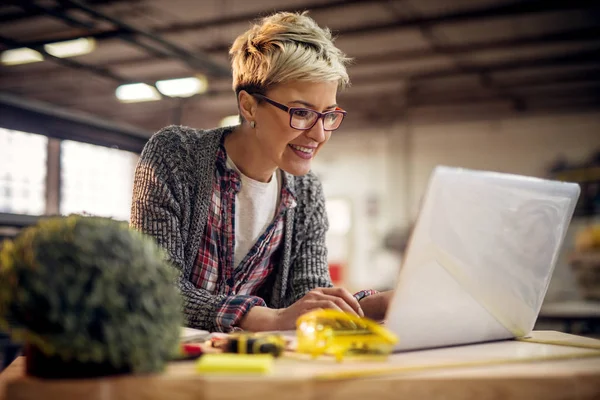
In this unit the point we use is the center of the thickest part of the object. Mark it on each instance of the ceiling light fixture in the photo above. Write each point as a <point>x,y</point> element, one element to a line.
<point>183,87</point>
<point>21,55</point>
<point>137,92</point>
<point>71,48</point>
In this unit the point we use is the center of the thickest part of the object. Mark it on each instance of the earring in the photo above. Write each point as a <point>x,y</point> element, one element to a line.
<point>252,124</point>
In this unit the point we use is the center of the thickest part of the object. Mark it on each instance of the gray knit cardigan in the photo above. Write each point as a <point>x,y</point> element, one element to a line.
<point>171,198</point>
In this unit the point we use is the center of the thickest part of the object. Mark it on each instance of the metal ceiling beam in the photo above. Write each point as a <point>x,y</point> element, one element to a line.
<point>128,33</point>
<point>561,80</point>
<point>74,22</point>
<point>530,92</point>
<point>57,12</point>
<point>503,10</point>
<point>377,58</point>
<point>523,87</point>
<point>45,119</point>
<point>381,107</point>
<point>195,60</point>
<point>574,58</point>
<point>564,97</point>
<point>513,8</point>
<point>497,11</point>
<point>567,36</point>
<point>240,18</point>
<point>225,20</point>
<point>23,15</point>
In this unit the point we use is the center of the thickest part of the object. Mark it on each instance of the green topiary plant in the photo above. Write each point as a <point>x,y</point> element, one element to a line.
<point>90,291</point>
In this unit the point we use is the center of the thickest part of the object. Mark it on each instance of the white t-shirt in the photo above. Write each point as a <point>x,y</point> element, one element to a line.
<point>255,207</point>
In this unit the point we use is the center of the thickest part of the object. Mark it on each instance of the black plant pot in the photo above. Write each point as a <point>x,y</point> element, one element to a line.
<point>40,365</point>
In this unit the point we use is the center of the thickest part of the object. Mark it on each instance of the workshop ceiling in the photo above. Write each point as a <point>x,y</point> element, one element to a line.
<point>409,54</point>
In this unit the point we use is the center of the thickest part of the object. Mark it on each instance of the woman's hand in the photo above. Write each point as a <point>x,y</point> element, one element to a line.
<point>321,298</point>
<point>267,319</point>
<point>376,305</point>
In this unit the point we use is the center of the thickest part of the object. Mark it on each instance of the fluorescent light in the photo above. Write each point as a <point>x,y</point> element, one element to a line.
<point>183,87</point>
<point>136,92</point>
<point>230,120</point>
<point>68,48</point>
<point>71,48</point>
<point>21,55</point>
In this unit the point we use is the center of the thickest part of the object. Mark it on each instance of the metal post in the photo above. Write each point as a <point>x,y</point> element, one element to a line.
<point>53,177</point>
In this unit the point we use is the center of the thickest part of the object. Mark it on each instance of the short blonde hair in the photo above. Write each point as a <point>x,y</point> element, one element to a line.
<point>285,47</point>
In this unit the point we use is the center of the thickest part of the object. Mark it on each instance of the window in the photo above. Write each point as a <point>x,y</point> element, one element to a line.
<point>22,172</point>
<point>96,180</point>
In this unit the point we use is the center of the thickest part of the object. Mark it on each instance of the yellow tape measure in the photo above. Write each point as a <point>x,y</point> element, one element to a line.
<point>365,373</point>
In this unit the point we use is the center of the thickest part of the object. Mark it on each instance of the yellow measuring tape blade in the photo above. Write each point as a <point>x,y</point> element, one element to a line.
<point>561,342</point>
<point>357,374</point>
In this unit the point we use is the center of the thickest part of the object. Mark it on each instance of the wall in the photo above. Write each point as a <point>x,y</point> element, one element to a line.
<point>356,167</point>
<point>386,172</point>
<point>525,145</point>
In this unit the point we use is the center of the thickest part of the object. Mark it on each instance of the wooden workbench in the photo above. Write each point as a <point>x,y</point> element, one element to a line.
<point>508,369</point>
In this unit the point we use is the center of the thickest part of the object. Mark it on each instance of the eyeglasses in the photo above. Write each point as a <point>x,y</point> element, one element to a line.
<point>305,118</point>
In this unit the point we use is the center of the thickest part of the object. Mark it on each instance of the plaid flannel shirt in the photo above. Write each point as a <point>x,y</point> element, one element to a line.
<point>214,269</point>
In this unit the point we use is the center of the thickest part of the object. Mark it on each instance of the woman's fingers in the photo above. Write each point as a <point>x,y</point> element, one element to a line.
<point>323,304</point>
<point>346,296</point>
<point>327,301</point>
<point>341,304</point>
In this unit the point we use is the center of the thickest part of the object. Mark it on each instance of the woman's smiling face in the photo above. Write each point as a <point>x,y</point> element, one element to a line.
<point>292,149</point>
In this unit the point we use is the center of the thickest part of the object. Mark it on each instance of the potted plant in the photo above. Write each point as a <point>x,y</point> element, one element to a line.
<point>88,297</point>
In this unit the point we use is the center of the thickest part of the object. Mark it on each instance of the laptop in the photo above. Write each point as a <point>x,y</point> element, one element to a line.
<point>480,258</point>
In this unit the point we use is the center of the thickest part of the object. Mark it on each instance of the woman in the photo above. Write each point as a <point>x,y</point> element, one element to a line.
<point>237,209</point>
